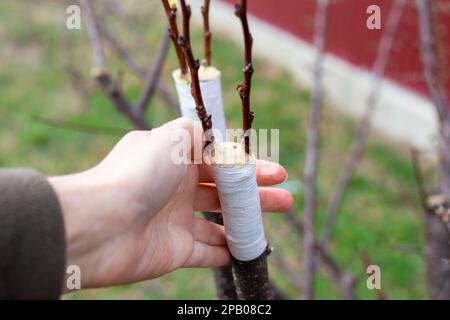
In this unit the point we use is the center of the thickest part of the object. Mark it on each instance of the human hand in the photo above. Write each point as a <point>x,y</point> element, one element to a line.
<point>131,217</point>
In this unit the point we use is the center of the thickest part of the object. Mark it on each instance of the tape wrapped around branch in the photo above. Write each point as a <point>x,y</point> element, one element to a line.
<point>235,178</point>
<point>211,86</point>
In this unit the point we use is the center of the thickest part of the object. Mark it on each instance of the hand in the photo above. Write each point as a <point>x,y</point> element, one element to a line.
<point>131,217</point>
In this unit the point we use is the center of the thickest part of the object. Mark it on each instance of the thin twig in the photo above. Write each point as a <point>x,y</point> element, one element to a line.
<point>80,127</point>
<point>94,34</point>
<point>186,12</point>
<point>141,72</point>
<point>287,271</point>
<point>363,129</point>
<point>436,233</point>
<point>194,65</point>
<point>121,51</point>
<point>312,152</point>
<point>343,281</point>
<point>102,76</point>
<point>153,76</point>
<point>206,32</point>
<point>171,13</point>
<point>244,89</point>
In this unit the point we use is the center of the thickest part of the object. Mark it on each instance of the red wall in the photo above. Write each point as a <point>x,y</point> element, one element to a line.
<point>348,36</point>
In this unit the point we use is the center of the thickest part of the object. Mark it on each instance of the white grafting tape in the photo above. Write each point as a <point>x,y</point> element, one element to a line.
<point>211,86</point>
<point>235,179</point>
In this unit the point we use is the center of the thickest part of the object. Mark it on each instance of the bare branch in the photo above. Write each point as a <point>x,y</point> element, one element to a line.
<point>244,89</point>
<point>186,12</point>
<point>121,51</point>
<point>171,13</point>
<point>206,32</point>
<point>94,34</point>
<point>312,152</point>
<point>363,129</point>
<point>154,74</point>
<point>437,234</point>
<point>145,75</point>
<point>194,65</point>
<point>102,76</point>
<point>80,127</point>
<point>430,58</point>
<point>343,281</point>
<point>115,94</point>
<point>290,274</point>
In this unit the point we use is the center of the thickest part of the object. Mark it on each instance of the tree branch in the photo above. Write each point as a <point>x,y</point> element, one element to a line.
<point>186,12</point>
<point>312,152</point>
<point>363,129</point>
<point>102,76</point>
<point>194,65</point>
<point>153,75</point>
<point>343,281</point>
<point>244,89</point>
<point>171,13</point>
<point>132,63</point>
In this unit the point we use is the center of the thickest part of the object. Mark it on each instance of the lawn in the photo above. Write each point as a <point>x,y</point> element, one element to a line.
<point>379,214</point>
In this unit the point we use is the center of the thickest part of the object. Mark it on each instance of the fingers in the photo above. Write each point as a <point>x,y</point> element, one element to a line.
<point>209,233</point>
<point>267,173</point>
<point>272,199</point>
<point>205,255</point>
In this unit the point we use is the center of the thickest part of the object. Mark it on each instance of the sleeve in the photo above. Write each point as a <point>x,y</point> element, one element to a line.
<point>32,237</point>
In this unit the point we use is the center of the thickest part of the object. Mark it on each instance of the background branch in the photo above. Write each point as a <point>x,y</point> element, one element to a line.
<point>312,151</point>
<point>102,76</point>
<point>363,129</point>
<point>206,32</point>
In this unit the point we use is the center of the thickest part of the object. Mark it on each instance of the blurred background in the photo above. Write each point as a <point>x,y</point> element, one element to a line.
<point>56,119</point>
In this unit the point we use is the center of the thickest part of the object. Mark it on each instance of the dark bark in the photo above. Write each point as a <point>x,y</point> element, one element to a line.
<point>244,89</point>
<point>171,13</point>
<point>437,251</point>
<point>252,278</point>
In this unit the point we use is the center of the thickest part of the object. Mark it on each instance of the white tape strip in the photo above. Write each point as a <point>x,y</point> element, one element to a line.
<point>239,199</point>
<point>212,97</point>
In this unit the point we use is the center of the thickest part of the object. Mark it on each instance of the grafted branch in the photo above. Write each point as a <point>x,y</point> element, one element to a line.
<point>244,89</point>
<point>194,65</point>
<point>206,33</point>
<point>186,11</point>
<point>171,13</point>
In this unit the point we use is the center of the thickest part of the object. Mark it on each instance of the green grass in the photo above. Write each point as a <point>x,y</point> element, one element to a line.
<point>375,215</point>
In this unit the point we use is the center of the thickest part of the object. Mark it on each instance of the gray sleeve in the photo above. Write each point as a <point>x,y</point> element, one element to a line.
<point>32,237</point>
